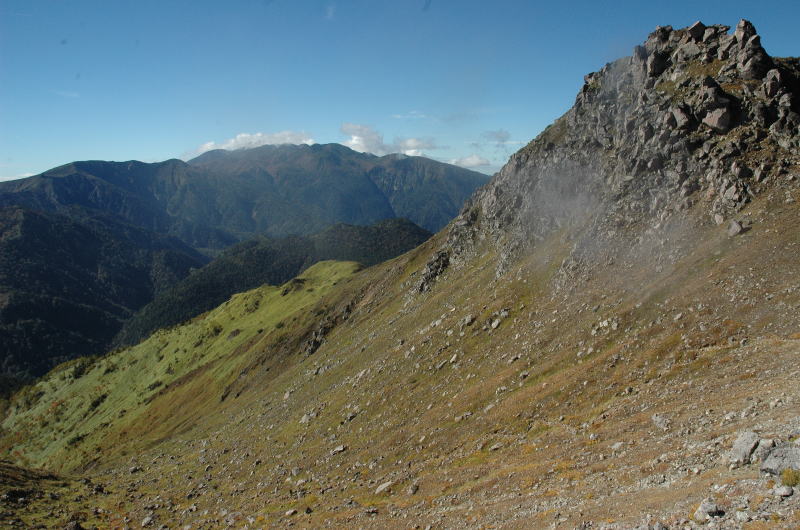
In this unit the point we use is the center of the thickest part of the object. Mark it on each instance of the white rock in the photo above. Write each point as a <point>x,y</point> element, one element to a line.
<point>383,487</point>
<point>661,421</point>
<point>742,448</point>
<point>707,509</point>
<point>784,491</point>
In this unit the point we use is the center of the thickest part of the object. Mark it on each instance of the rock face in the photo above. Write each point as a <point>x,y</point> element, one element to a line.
<point>649,136</point>
<point>742,448</point>
<point>782,458</point>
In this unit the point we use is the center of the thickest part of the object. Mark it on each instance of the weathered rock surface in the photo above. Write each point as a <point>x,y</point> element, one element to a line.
<point>649,136</point>
<point>707,509</point>
<point>743,447</point>
<point>781,458</point>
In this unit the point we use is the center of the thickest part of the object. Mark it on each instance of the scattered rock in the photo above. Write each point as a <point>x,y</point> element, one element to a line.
<point>718,120</point>
<point>661,421</point>
<point>339,449</point>
<point>783,491</point>
<point>383,487</point>
<point>466,321</point>
<point>780,459</point>
<point>696,31</point>
<point>744,31</point>
<point>682,117</point>
<point>707,509</point>
<point>656,64</point>
<point>435,267</point>
<point>762,450</point>
<point>772,83</point>
<point>735,228</point>
<point>742,448</point>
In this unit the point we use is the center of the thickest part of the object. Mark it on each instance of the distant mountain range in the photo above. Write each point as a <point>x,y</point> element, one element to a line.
<point>223,197</point>
<point>86,245</point>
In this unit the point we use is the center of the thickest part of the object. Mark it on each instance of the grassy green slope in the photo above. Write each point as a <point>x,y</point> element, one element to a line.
<point>131,398</point>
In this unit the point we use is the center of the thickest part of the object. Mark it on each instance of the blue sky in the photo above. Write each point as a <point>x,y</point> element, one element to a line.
<point>457,80</point>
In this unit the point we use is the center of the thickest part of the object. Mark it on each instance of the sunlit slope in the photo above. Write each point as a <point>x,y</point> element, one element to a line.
<point>486,400</point>
<point>483,399</point>
<point>86,409</point>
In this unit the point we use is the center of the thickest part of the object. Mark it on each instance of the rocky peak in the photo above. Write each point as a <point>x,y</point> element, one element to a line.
<point>695,118</point>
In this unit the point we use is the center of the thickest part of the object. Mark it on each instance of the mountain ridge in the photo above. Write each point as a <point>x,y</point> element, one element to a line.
<point>655,117</point>
<point>217,199</point>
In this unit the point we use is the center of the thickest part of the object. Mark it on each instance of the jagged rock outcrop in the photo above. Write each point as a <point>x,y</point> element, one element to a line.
<point>695,116</point>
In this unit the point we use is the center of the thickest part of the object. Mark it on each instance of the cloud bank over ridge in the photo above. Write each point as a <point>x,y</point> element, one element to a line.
<point>366,139</point>
<point>247,141</point>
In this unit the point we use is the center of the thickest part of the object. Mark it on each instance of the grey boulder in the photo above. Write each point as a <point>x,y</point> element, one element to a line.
<point>780,459</point>
<point>742,448</point>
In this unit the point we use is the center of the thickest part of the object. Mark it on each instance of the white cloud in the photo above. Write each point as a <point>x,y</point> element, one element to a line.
<point>471,161</point>
<point>15,177</point>
<point>247,141</point>
<point>413,115</point>
<point>365,139</point>
<point>415,146</point>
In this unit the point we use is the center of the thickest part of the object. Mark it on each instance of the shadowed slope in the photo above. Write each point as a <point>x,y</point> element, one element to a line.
<point>68,283</point>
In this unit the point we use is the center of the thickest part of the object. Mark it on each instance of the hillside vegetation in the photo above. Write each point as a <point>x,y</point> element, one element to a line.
<point>474,384</point>
<point>125,401</point>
